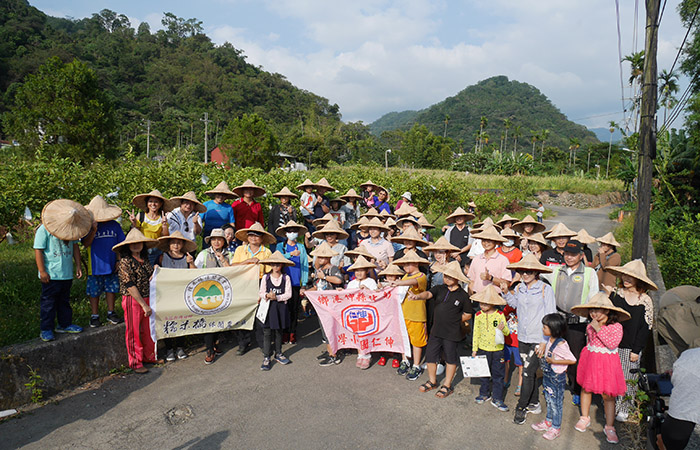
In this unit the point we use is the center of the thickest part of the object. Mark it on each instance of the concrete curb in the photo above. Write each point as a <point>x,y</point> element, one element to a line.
<point>67,362</point>
<point>663,356</point>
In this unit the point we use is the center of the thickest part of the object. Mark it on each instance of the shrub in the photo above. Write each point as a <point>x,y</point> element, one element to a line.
<point>678,248</point>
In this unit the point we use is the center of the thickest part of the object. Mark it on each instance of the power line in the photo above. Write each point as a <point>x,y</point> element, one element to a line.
<point>675,112</point>
<point>662,13</point>
<point>690,27</point>
<point>619,59</point>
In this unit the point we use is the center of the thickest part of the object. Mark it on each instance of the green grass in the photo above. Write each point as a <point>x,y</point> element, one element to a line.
<point>19,296</point>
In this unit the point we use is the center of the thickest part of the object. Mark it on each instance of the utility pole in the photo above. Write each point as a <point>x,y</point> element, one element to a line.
<point>148,139</point>
<point>647,135</point>
<point>206,137</point>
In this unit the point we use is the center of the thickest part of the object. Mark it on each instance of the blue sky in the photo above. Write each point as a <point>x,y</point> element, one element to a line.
<point>374,57</point>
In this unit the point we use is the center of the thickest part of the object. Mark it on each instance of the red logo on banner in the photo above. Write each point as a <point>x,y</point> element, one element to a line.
<point>362,320</point>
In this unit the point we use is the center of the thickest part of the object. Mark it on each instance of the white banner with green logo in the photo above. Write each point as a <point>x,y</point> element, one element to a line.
<point>195,301</point>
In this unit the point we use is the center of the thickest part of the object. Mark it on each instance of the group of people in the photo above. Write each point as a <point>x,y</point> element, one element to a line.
<point>528,298</point>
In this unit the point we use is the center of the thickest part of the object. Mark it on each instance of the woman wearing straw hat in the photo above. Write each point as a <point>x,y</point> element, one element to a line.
<point>441,251</point>
<point>246,210</point>
<point>331,233</point>
<point>632,296</point>
<point>381,200</point>
<point>218,211</point>
<point>586,239</point>
<point>102,261</point>
<point>607,256</point>
<point>533,299</point>
<point>295,252</point>
<point>63,222</point>
<point>186,218</point>
<point>509,248</point>
<point>282,213</point>
<point>134,280</point>
<point>275,288</point>
<point>489,267</point>
<point>381,250</point>
<point>151,222</point>
<point>452,308</point>
<point>527,227</point>
<point>536,245</point>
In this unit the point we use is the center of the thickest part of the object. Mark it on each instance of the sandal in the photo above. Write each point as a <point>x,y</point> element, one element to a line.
<point>444,391</point>
<point>427,386</point>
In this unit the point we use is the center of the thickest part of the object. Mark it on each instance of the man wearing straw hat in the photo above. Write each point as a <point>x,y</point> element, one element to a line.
<point>63,222</point>
<point>458,234</point>
<point>560,234</point>
<point>573,284</point>
<point>102,261</point>
<point>186,218</point>
<point>322,206</point>
<point>246,210</point>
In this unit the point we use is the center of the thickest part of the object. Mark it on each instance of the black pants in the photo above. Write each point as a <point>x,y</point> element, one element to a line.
<point>530,392</point>
<point>676,433</point>
<point>176,342</point>
<point>55,302</point>
<point>245,337</point>
<point>210,339</point>
<point>294,305</point>
<point>268,333</point>
<point>576,338</point>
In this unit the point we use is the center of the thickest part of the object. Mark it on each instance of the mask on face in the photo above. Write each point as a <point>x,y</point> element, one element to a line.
<point>292,236</point>
<point>509,243</point>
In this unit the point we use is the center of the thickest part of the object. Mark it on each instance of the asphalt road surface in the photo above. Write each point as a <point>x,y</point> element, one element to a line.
<point>232,404</point>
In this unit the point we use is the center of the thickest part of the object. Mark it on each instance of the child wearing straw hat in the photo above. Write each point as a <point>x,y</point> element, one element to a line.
<point>295,252</point>
<point>246,210</point>
<point>177,254</point>
<point>134,280</point>
<point>452,308</point>
<point>412,241</point>
<point>361,269</point>
<point>414,311</point>
<point>307,202</point>
<point>219,213</point>
<point>600,370</point>
<point>275,288</point>
<point>102,275</point>
<point>490,328</point>
<point>63,222</point>
<point>632,296</point>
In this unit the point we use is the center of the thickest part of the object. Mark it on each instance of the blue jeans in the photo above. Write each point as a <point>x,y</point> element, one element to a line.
<point>554,385</point>
<point>497,365</point>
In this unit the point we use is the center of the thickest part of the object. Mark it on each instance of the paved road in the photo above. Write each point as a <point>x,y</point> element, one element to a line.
<point>233,404</point>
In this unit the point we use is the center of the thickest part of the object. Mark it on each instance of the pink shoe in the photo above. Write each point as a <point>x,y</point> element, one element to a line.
<point>583,423</point>
<point>541,426</point>
<point>611,435</point>
<point>552,434</point>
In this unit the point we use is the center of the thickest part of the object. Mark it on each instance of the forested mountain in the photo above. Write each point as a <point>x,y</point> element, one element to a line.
<point>495,99</point>
<point>168,78</point>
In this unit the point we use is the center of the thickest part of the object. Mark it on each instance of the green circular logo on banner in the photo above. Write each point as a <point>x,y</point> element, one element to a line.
<point>208,294</point>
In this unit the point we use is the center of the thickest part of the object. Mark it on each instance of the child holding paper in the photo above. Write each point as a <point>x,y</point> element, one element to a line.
<point>276,289</point>
<point>490,329</point>
<point>452,307</point>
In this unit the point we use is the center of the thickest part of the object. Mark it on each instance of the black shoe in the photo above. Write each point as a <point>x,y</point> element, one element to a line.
<point>519,417</point>
<point>322,355</point>
<point>114,319</point>
<point>95,322</point>
<point>241,351</point>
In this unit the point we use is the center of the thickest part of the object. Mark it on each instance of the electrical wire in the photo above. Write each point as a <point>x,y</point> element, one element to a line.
<point>690,27</point>
<point>680,106</point>
<point>619,59</point>
<point>663,7</point>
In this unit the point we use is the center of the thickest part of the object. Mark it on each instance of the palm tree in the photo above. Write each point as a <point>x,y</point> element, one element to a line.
<point>636,61</point>
<point>534,136</point>
<point>574,144</point>
<point>544,134</point>
<point>668,85</point>
<point>447,120</point>
<point>507,124</point>
<point>612,126</point>
<point>482,124</point>
<point>517,132</point>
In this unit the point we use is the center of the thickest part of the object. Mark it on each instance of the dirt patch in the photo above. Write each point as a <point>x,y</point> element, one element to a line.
<point>582,201</point>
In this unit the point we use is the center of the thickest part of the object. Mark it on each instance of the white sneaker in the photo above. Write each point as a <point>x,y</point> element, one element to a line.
<point>621,417</point>
<point>171,355</point>
<point>440,369</point>
<point>181,354</point>
<point>534,408</point>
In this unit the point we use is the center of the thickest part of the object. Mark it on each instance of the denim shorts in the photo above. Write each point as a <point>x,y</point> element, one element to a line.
<point>99,284</point>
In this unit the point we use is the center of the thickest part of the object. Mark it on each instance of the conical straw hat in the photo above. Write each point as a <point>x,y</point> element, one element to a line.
<point>390,222</point>
<point>442,244</point>
<point>506,218</point>
<point>471,205</point>
<point>141,200</point>
<point>454,270</point>
<point>537,237</point>
<point>102,211</point>
<point>410,235</point>
<point>423,222</point>
<point>278,258</point>
<point>386,215</point>
<point>198,206</point>
<point>400,221</point>
<point>600,301</point>
<point>609,239</point>
<point>248,184</point>
<point>559,230</point>
<point>351,194</point>
<point>509,233</point>
<point>361,221</point>
<point>361,263</point>
<point>636,270</point>
<point>305,184</point>
<point>411,257</point>
<point>392,269</point>
<point>267,238</point>
<point>584,238</point>
<point>369,183</point>
<point>490,296</point>
<point>322,220</point>
<point>528,220</point>
<point>289,226</point>
<point>406,210</point>
<point>134,237</point>
<point>360,250</point>
<point>187,245</point>
<point>488,222</point>
<point>459,212</point>
<point>489,234</point>
<point>223,189</point>
<point>215,233</point>
<point>323,183</point>
<point>285,192</point>
<point>529,262</point>
<point>331,226</point>
<point>66,219</point>
<point>372,212</point>
<point>375,223</point>
<point>323,251</point>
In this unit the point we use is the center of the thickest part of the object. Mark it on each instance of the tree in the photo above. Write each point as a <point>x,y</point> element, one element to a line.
<point>248,141</point>
<point>636,61</point>
<point>544,135</point>
<point>423,149</point>
<point>506,124</point>
<point>447,120</point>
<point>534,136</point>
<point>63,111</point>
<point>668,86</point>
<point>574,144</point>
<point>517,132</point>
<point>482,124</point>
<point>612,126</point>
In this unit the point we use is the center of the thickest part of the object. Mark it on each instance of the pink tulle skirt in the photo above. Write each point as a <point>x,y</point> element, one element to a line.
<point>601,373</point>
